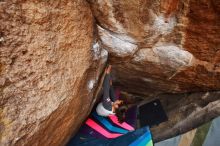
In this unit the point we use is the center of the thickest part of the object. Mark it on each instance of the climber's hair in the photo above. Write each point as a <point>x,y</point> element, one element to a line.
<point>120,112</point>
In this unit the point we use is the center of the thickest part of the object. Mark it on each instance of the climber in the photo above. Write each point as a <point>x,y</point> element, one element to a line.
<point>110,105</point>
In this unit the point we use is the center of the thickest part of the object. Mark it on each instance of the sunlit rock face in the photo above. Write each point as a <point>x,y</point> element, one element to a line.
<point>161,46</point>
<point>50,64</point>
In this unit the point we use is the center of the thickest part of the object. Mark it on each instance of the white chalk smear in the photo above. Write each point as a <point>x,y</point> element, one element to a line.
<point>116,45</point>
<point>164,25</point>
<point>173,55</point>
<point>91,84</point>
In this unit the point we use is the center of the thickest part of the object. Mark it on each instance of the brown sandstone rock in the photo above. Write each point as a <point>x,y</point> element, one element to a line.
<point>161,46</point>
<point>50,64</point>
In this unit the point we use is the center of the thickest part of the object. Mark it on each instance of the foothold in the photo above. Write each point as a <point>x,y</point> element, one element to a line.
<point>24,52</point>
<point>1,36</point>
<point>2,39</point>
<point>147,79</point>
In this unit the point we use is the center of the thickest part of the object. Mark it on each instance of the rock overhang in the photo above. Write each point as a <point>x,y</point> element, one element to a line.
<point>154,41</point>
<point>166,49</point>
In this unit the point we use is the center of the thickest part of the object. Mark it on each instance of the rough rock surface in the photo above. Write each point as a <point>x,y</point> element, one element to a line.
<point>159,46</point>
<point>50,63</point>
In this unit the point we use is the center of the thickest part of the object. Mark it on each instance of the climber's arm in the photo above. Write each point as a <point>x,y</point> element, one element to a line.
<point>106,101</point>
<point>106,86</point>
<point>112,94</point>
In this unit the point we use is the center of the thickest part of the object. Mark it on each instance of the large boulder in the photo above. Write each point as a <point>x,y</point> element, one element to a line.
<point>52,54</point>
<point>50,63</point>
<point>159,46</point>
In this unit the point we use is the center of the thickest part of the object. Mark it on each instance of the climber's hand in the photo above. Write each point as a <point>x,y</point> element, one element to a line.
<point>108,69</point>
<point>118,102</point>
